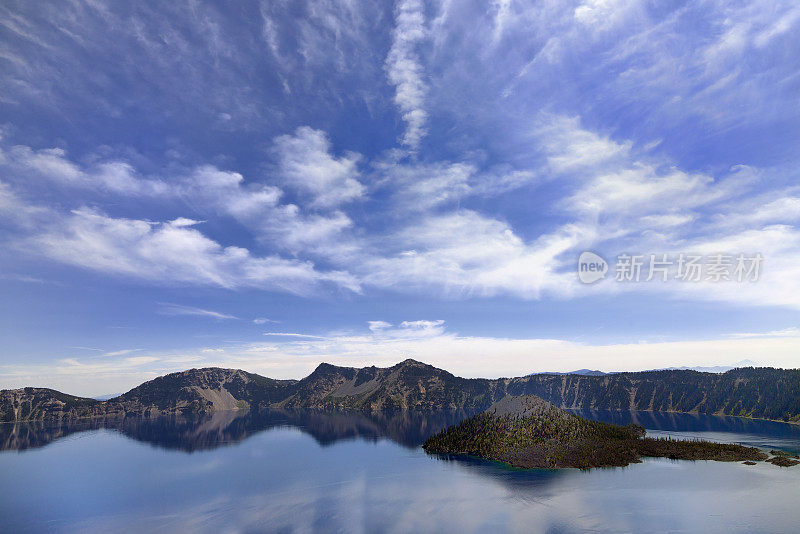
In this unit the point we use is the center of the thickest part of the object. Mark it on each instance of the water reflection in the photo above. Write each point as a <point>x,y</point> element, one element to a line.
<point>406,429</point>
<point>751,432</point>
<point>228,427</point>
<point>283,476</point>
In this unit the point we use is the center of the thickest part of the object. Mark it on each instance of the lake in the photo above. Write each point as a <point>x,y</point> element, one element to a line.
<point>313,472</point>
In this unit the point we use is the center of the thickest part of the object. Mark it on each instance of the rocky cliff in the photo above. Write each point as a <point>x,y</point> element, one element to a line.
<point>414,386</point>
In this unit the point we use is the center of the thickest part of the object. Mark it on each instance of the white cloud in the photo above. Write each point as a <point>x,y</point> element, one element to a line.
<point>121,352</point>
<point>620,199</point>
<point>305,163</point>
<point>168,253</point>
<point>467,254</point>
<point>177,309</point>
<point>781,210</point>
<point>407,329</point>
<point>421,187</point>
<point>377,326</point>
<point>597,15</point>
<point>786,332</point>
<point>665,220</point>
<point>405,70</point>
<point>263,320</point>
<point>292,334</point>
<point>53,164</point>
<point>569,147</point>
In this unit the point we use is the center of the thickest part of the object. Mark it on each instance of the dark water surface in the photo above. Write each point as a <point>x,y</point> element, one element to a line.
<point>309,472</point>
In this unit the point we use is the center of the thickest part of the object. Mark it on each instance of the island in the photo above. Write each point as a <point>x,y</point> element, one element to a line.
<point>528,432</point>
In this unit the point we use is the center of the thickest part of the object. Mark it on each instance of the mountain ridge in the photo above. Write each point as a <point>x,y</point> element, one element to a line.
<point>411,385</point>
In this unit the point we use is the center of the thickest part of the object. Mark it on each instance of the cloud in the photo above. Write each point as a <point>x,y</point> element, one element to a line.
<point>465,253</point>
<point>292,334</point>
<point>52,164</point>
<point>22,278</point>
<point>405,70</point>
<point>121,352</point>
<point>421,187</point>
<point>569,147</point>
<point>168,253</point>
<point>177,309</point>
<point>620,198</point>
<point>597,15</point>
<point>377,326</point>
<point>263,320</point>
<point>786,332</point>
<point>305,163</point>
<point>407,329</point>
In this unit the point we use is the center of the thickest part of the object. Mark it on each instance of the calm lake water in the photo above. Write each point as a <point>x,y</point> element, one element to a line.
<point>307,472</point>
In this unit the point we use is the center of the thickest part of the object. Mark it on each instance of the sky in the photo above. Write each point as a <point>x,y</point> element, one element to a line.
<point>271,185</point>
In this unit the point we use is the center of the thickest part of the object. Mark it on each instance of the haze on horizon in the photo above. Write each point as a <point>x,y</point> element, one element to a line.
<point>269,186</point>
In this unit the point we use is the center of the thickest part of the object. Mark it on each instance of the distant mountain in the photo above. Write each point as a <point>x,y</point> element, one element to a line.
<point>106,396</point>
<point>714,369</point>
<point>581,372</point>
<point>765,393</point>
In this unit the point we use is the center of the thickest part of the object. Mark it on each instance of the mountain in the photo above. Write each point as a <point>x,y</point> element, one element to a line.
<point>409,385</point>
<point>715,368</point>
<point>42,403</point>
<point>582,372</point>
<point>764,393</point>
<point>106,396</point>
<point>587,372</point>
<point>528,432</point>
<point>202,391</point>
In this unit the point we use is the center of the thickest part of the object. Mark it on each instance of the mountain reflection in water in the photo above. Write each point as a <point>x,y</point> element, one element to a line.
<point>409,429</point>
<point>229,427</point>
<point>276,471</point>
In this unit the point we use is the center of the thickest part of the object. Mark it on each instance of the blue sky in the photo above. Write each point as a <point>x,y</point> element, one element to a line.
<point>271,185</point>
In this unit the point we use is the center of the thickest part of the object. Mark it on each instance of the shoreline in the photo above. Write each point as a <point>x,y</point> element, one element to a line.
<point>122,416</point>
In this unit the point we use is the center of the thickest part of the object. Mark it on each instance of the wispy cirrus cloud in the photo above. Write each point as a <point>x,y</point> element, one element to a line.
<point>522,171</point>
<point>292,334</point>
<point>178,309</point>
<point>405,70</point>
<point>786,332</point>
<point>121,352</point>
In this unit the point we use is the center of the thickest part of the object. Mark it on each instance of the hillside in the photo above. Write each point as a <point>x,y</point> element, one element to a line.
<point>529,432</point>
<point>409,385</point>
<point>202,391</point>
<point>414,386</point>
<point>764,393</point>
<point>41,403</point>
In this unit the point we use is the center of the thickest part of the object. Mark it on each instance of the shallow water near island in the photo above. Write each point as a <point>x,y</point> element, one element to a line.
<point>312,472</point>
